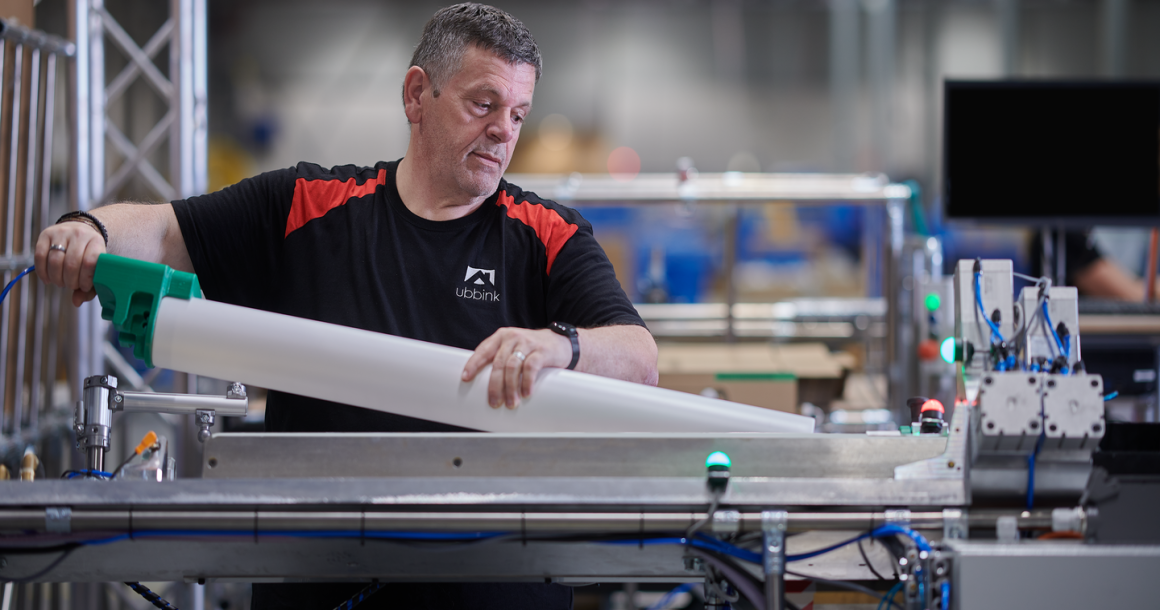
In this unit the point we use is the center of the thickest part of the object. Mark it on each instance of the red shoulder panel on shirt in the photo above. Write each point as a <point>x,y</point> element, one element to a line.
<point>314,198</point>
<point>549,226</point>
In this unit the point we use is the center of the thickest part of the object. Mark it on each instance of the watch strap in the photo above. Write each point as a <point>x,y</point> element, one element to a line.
<point>574,337</point>
<point>563,328</point>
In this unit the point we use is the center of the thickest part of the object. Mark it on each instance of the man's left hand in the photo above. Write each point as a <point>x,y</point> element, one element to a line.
<point>516,356</point>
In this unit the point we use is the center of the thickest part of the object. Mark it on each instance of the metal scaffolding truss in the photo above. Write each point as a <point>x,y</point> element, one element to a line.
<point>184,123</point>
<point>183,88</point>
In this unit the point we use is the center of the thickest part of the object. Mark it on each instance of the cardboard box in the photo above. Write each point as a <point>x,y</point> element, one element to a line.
<point>762,375</point>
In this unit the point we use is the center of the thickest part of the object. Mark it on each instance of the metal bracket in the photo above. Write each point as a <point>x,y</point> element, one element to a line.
<point>1007,529</point>
<point>726,522</point>
<point>58,520</point>
<point>1067,519</point>
<point>773,526</point>
<point>952,464</point>
<point>954,524</point>
<point>205,421</point>
<point>236,391</point>
<point>898,516</point>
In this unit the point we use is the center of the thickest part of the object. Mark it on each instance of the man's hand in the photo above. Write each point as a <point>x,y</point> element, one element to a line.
<point>66,256</point>
<point>516,356</point>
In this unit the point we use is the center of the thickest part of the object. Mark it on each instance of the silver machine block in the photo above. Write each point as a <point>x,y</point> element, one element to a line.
<point>1073,409</point>
<point>1009,418</point>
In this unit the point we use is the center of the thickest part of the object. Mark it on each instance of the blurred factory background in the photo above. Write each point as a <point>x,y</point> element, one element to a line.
<point>731,85</point>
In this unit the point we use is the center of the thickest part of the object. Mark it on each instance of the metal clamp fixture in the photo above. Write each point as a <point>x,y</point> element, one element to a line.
<point>93,417</point>
<point>101,397</point>
<point>773,526</point>
<point>954,524</point>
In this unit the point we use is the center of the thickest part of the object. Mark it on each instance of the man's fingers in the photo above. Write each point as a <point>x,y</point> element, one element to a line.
<point>532,367</point>
<point>511,378</point>
<point>481,357</point>
<point>88,268</point>
<point>79,297</point>
<point>40,255</point>
<point>495,382</point>
<point>56,267</point>
<point>73,257</point>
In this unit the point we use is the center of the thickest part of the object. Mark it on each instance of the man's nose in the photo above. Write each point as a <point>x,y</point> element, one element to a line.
<point>502,128</point>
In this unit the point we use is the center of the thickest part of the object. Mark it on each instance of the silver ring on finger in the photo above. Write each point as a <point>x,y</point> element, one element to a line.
<point>58,248</point>
<point>520,356</point>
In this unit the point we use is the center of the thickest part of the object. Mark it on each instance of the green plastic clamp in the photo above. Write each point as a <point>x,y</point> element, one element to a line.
<point>130,291</point>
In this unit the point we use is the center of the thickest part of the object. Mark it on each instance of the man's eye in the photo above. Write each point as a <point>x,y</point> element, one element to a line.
<point>517,119</point>
<point>483,105</point>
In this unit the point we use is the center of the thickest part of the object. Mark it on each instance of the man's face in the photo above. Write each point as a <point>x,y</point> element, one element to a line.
<point>472,127</point>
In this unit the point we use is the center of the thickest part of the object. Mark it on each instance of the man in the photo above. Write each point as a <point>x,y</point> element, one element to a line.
<point>1089,269</point>
<point>434,247</point>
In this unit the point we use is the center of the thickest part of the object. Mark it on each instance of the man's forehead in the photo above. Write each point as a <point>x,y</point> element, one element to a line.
<point>485,72</point>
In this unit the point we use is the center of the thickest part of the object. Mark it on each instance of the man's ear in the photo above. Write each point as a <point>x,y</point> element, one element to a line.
<point>415,84</point>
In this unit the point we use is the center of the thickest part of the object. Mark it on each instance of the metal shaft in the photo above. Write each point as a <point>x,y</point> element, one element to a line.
<point>227,518</point>
<point>775,592</point>
<point>96,458</point>
<point>182,404</point>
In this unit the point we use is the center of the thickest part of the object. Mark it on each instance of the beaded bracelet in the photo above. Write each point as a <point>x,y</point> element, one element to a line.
<point>88,219</point>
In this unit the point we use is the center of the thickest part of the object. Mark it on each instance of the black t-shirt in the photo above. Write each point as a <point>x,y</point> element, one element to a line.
<point>338,245</point>
<point>1079,250</point>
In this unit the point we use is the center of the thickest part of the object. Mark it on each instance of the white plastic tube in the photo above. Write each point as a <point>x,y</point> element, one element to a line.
<point>418,379</point>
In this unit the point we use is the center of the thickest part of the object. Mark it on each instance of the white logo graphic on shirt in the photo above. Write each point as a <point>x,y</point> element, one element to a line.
<point>477,283</point>
<point>480,276</point>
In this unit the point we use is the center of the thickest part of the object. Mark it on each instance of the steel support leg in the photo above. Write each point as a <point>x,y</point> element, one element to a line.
<point>773,524</point>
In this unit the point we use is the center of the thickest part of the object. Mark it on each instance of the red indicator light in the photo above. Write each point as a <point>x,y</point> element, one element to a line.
<point>932,405</point>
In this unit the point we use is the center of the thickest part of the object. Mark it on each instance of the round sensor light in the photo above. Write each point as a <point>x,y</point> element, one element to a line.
<point>947,349</point>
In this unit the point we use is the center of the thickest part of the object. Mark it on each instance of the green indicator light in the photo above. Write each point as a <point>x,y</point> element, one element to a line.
<point>947,349</point>
<point>932,301</point>
<point>718,458</point>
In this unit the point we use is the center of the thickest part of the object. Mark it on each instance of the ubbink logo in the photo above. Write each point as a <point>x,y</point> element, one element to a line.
<point>479,285</point>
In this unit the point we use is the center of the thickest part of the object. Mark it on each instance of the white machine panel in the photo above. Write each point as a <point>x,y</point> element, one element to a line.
<point>996,290</point>
<point>1063,307</point>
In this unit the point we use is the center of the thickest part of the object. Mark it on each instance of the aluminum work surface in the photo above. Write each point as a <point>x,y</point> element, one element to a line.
<point>1053,574</point>
<point>559,455</point>
<point>559,470</point>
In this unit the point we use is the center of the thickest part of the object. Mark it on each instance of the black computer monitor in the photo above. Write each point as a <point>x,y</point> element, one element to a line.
<point>1059,153</point>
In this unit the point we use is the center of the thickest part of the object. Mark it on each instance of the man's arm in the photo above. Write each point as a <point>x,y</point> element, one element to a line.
<point>625,352</point>
<point>145,232</point>
<point>1105,279</point>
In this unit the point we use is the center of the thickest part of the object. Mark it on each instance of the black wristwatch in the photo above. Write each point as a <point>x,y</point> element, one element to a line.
<point>566,329</point>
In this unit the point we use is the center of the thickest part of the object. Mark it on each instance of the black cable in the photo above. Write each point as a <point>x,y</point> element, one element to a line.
<point>36,550</point>
<point>868,564</point>
<point>708,517</point>
<point>150,596</point>
<point>358,598</point>
<point>123,464</point>
<point>844,585</point>
<point>46,570</point>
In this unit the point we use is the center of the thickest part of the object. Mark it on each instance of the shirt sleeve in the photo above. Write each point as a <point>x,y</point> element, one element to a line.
<point>234,237</point>
<point>582,285</point>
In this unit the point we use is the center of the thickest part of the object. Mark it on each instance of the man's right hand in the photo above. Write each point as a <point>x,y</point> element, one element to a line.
<point>73,261</point>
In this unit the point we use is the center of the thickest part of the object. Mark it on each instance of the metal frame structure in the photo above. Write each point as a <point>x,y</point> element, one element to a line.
<point>30,315</point>
<point>185,123</point>
<point>882,247</point>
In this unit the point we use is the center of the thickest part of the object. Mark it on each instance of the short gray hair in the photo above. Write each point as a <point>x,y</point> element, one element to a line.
<point>452,29</point>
